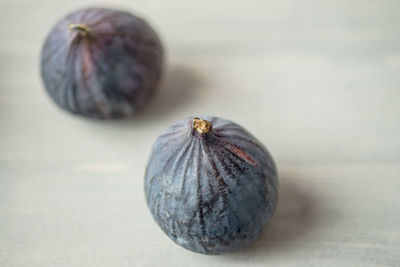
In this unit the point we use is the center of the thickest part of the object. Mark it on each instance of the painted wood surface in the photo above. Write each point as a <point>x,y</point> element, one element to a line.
<point>316,81</point>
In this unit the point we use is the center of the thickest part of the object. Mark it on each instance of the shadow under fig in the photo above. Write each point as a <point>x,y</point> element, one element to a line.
<point>294,218</point>
<point>178,88</point>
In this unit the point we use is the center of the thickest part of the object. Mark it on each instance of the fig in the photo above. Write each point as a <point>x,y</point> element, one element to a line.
<point>210,185</point>
<point>101,63</point>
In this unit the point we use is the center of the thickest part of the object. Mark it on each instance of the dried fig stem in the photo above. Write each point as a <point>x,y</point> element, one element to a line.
<point>201,126</point>
<point>82,29</point>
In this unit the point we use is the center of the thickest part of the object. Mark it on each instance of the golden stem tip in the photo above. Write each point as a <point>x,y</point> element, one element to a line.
<point>201,126</point>
<point>83,29</point>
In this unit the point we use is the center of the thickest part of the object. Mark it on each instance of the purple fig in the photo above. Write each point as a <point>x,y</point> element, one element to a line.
<point>210,185</point>
<point>101,63</point>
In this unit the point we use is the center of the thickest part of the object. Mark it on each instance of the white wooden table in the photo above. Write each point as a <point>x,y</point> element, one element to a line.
<point>317,81</point>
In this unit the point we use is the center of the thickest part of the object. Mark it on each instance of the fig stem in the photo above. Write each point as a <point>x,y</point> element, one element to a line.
<point>201,126</point>
<point>82,29</point>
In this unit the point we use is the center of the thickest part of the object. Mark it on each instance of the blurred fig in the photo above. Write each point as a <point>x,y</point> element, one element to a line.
<point>210,185</point>
<point>101,63</point>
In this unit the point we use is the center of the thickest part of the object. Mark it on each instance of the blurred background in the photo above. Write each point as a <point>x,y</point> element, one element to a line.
<point>318,82</point>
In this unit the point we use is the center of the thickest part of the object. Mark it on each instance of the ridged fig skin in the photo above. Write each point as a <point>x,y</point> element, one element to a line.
<point>110,71</point>
<point>211,193</point>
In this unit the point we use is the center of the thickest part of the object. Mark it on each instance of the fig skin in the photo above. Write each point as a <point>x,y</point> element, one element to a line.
<point>101,63</point>
<point>210,185</point>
